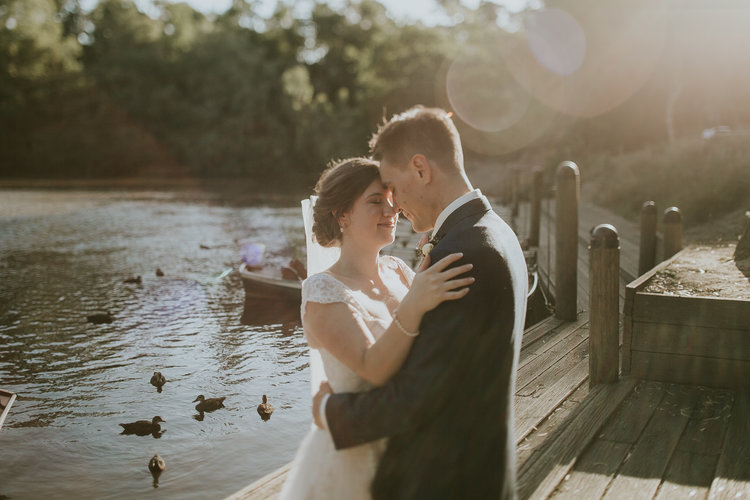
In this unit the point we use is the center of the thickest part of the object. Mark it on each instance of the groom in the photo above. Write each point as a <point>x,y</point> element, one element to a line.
<point>449,411</point>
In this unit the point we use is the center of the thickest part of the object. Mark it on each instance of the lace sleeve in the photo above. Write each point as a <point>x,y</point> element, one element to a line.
<point>401,267</point>
<point>324,289</point>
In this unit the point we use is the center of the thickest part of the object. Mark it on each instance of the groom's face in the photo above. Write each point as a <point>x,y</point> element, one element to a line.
<point>404,185</point>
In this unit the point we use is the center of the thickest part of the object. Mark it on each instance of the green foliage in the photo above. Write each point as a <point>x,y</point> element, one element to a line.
<point>704,178</point>
<point>116,91</point>
<point>35,54</point>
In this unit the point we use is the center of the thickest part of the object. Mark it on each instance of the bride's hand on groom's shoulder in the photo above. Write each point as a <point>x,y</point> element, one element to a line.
<point>435,284</point>
<point>324,390</point>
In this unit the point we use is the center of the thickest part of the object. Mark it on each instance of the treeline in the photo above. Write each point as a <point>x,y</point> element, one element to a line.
<point>115,91</point>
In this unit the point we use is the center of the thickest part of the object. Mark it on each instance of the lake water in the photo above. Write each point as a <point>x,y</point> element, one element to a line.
<point>66,256</point>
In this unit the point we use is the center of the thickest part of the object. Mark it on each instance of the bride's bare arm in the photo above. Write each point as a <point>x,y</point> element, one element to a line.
<point>342,333</point>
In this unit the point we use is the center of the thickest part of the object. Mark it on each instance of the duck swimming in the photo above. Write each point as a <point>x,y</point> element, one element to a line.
<point>156,465</point>
<point>158,380</point>
<point>137,279</point>
<point>100,318</point>
<point>209,404</point>
<point>265,409</point>
<point>143,427</point>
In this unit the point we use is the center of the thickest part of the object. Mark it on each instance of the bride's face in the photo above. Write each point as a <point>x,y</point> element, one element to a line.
<point>372,219</point>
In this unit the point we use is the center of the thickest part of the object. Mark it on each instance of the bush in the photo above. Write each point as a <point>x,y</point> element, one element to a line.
<point>704,178</point>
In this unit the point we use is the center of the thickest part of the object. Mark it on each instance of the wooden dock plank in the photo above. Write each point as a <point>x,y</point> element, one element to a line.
<point>592,472</point>
<point>688,475</point>
<point>627,424</point>
<point>640,476</point>
<point>267,487</point>
<point>691,470</point>
<point>539,434</point>
<point>530,411</point>
<point>548,368</point>
<point>732,478</point>
<point>539,330</point>
<point>540,357</point>
<point>547,466</point>
<point>705,431</point>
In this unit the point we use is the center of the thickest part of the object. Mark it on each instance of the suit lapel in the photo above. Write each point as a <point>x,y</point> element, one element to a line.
<point>476,207</point>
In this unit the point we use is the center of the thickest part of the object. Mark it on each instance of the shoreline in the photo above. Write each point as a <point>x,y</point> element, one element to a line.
<point>35,197</point>
<point>79,193</point>
<point>228,183</point>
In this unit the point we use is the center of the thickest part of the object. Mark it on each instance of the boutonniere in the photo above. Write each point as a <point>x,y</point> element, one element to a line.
<point>425,247</point>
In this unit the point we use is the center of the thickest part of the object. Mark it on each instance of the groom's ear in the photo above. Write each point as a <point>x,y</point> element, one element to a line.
<point>422,168</point>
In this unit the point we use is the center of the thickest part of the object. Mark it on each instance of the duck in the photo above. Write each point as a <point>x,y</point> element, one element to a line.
<point>100,318</point>
<point>143,427</point>
<point>137,279</point>
<point>265,409</point>
<point>158,380</point>
<point>209,404</point>
<point>159,272</point>
<point>156,465</point>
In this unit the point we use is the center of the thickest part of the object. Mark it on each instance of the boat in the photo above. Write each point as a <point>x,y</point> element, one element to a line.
<point>268,296</point>
<point>6,401</point>
<point>262,286</point>
<point>261,289</point>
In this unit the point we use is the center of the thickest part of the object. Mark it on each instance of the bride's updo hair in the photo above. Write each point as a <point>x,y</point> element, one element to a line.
<point>337,189</point>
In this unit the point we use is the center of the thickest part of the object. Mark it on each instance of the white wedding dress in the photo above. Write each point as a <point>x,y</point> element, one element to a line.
<point>318,470</point>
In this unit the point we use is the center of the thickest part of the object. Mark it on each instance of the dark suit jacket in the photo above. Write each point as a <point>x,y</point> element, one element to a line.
<point>449,411</point>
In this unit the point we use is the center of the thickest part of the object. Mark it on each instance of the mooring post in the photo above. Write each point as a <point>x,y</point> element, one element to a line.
<point>604,305</point>
<point>536,207</point>
<point>515,182</point>
<point>566,241</point>
<point>647,255</point>
<point>672,232</point>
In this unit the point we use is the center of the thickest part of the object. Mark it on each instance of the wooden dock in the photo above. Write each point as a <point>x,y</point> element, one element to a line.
<point>629,439</point>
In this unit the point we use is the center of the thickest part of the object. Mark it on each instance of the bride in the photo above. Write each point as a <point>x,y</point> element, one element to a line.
<point>360,315</point>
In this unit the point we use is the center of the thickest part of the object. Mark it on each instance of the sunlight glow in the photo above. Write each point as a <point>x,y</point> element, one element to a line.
<point>556,40</point>
<point>590,59</point>
<point>479,95</point>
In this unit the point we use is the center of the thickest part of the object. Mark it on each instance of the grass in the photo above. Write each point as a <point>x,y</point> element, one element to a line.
<point>705,179</point>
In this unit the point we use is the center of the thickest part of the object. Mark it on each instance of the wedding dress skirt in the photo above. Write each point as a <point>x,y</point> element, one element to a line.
<point>319,471</point>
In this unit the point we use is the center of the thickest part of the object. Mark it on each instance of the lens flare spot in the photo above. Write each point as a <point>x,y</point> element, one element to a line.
<point>590,58</point>
<point>482,94</point>
<point>556,39</point>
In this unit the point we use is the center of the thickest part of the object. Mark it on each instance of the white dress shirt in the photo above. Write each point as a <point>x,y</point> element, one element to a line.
<point>453,206</point>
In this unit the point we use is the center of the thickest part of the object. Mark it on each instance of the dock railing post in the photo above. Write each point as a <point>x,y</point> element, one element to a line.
<point>536,208</point>
<point>672,232</point>
<point>566,241</point>
<point>604,305</point>
<point>647,254</point>
<point>516,190</point>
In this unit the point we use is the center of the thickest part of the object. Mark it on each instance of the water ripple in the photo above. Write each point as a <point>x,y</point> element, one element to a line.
<point>77,381</point>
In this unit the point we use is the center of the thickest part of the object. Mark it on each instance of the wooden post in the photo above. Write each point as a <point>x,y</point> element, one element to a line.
<point>647,255</point>
<point>566,241</point>
<point>604,303</point>
<point>742,250</point>
<point>672,232</point>
<point>536,207</point>
<point>516,190</point>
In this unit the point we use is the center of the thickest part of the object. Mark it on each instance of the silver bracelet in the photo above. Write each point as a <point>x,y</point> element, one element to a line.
<point>401,327</point>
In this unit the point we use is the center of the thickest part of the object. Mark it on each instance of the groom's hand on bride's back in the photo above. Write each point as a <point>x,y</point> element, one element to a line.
<point>323,391</point>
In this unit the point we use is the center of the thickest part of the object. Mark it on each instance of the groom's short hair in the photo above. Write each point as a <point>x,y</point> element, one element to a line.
<point>419,130</point>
